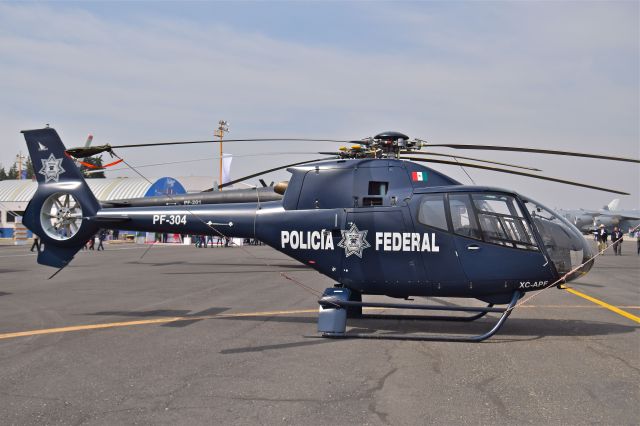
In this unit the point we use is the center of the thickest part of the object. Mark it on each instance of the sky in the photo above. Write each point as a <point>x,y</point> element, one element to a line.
<point>551,75</point>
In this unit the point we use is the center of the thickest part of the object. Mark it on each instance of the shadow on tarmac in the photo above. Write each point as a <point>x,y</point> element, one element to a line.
<point>277,346</point>
<point>526,330</point>
<point>8,271</point>
<point>524,327</point>
<point>161,313</point>
<point>514,330</point>
<point>176,263</point>
<point>578,284</point>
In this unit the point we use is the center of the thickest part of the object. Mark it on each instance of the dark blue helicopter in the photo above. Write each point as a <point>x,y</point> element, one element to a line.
<point>374,223</point>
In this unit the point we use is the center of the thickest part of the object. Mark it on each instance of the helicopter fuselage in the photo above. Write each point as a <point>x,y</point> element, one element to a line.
<point>388,227</point>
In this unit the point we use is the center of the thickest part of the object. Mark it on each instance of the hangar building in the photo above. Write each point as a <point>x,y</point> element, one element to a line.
<point>15,194</point>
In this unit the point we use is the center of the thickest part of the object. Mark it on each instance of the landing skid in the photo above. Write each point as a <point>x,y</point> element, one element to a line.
<point>333,305</point>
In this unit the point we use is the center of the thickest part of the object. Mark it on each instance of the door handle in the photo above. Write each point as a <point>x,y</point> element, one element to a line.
<point>473,247</point>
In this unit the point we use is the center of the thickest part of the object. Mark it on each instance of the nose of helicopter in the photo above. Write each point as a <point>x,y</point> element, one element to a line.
<point>581,260</point>
<point>567,248</point>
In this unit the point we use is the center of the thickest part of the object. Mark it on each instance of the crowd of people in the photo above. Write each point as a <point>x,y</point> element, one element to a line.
<point>601,236</point>
<point>204,241</point>
<point>101,235</point>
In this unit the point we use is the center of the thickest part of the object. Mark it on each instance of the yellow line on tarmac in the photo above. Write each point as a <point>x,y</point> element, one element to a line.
<point>258,314</point>
<point>149,321</point>
<point>605,305</point>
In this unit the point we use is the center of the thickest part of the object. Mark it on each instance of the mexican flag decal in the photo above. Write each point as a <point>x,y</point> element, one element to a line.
<point>419,176</point>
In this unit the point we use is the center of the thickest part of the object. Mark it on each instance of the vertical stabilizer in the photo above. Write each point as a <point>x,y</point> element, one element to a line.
<point>58,212</point>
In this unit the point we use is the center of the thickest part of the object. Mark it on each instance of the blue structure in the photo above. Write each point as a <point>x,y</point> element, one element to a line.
<point>165,186</point>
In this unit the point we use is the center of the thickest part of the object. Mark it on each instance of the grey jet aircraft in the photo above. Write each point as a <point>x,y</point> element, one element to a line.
<point>609,216</point>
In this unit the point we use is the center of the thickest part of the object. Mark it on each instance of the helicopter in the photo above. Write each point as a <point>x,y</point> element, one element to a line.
<point>370,217</point>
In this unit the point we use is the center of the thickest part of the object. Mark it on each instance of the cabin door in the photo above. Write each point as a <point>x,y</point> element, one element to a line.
<point>372,263</point>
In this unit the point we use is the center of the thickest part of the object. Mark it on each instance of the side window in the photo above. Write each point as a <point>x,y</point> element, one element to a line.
<point>502,222</point>
<point>462,216</point>
<point>11,215</point>
<point>378,188</point>
<point>432,211</point>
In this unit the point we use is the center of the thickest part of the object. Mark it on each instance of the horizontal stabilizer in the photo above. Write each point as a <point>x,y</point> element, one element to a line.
<point>57,257</point>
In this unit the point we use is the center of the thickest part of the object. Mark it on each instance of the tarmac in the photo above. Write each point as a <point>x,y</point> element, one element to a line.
<point>179,335</point>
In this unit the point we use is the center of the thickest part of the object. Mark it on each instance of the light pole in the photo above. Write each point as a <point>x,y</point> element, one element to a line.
<point>19,159</point>
<point>223,127</point>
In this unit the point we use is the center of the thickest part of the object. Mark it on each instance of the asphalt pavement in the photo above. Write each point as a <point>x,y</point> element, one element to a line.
<point>228,336</point>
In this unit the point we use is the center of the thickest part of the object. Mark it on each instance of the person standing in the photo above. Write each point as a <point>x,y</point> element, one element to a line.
<point>101,237</point>
<point>36,243</point>
<point>616,239</point>
<point>602,238</point>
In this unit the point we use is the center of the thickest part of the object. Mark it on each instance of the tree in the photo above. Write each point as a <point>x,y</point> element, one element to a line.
<point>13,172</point>
<point>3,173</point>
<point>29,166</point>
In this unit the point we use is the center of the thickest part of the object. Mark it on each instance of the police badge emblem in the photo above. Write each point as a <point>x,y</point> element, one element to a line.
<point>354,241</point>
<point>51,169</point>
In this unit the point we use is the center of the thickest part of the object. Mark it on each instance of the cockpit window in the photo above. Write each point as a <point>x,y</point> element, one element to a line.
<point>563,242</point>
<point>432,211</point>
<point>502,221</point>
<point>463,218</point>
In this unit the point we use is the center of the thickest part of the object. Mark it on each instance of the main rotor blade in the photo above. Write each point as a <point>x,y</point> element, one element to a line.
<point>534,150</point>
<point>272,170</point>
<point>513,172</point>
<point>140,145</point>
<point>88,151</point>
<point>474,159</point>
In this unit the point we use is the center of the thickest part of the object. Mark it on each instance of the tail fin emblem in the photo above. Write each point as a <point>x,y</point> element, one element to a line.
<point>42,147</point>
<point>51,169</point>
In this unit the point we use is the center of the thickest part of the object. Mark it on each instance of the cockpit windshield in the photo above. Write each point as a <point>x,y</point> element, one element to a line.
<point>565,245</point>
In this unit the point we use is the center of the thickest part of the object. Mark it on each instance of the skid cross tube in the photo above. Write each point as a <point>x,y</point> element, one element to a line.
<point>329,302</point>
